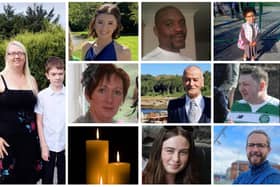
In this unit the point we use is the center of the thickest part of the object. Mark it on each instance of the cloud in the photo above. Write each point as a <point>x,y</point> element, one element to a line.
<point>224,156</point>
<point>275,148</point>
<point>275,158</point>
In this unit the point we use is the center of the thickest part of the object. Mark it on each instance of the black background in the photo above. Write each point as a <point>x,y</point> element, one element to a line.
<point>122,139</point>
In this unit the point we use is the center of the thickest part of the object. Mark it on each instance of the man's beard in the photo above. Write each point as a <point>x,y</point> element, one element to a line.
<point>260,156</point>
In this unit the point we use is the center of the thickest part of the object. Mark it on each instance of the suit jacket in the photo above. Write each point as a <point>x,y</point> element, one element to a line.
<point>177,111</point>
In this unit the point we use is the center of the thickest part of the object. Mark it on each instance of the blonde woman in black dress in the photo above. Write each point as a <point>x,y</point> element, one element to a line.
<point>19,149</point>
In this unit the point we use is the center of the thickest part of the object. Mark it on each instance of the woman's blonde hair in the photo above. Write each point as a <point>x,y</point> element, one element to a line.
<point>26,70</point>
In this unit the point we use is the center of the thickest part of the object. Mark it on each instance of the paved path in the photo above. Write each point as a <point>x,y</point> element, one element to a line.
<point>226,32</point>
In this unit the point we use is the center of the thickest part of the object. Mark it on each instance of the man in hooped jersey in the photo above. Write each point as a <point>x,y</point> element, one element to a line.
<point>256,106</point>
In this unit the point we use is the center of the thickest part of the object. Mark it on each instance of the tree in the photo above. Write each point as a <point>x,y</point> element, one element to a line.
<point>129,13</point>
<point>10,24</point>
<point>36,18</point>
<point>207,83</point>
<point>9,11</point>
<point>80,15</point>
<point>170,85</point>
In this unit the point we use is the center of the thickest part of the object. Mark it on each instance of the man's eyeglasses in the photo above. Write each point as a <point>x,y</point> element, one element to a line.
<point>258,145</point>
<point>19,53</point>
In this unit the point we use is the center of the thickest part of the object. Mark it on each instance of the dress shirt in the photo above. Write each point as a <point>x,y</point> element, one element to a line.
<point>51,105</point>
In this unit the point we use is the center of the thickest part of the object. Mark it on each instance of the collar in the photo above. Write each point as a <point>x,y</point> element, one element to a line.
<point>168,52</point>
<point>259,168</point>
<point>50,91</point>
<point>198,99</point>
<point>255,107</point>
<point>249,24</point>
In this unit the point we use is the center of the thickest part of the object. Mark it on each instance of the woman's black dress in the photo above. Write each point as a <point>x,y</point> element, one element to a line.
<point>18,128</point>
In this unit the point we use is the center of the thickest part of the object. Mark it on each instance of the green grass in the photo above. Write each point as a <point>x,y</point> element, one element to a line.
<point>129,41</point>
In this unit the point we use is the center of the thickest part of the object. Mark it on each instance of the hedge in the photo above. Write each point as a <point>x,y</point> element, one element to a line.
<point>39,46</point>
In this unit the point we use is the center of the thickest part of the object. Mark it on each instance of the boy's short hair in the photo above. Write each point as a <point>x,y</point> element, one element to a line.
<point>54,61</point>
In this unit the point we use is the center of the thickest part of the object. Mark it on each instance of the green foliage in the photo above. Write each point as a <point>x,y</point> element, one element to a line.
<point>147,85</point>
<point>36,19</point>
<point>129,13</point>
<point>273,4</point>
<point>164,85</point>
<point>169,85</point>
<point>80,15</point>
<point>39,46</point>
<point>10,24</point>
<point>207,84</point>
<point>132,43</point>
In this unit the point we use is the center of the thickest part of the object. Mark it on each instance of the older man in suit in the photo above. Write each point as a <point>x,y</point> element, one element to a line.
<point>193,107</point>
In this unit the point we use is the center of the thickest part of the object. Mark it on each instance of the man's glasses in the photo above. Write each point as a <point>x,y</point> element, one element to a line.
<point>19,53</point>
<point>258,145</point>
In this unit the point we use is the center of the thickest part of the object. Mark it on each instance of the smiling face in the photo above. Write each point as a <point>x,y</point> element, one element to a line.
<point>193,81</point>
<point>15,56</point>
<point>175,154</point>
<point>257,149</point>
<point>105,25</point>
<point>106,99</point>
<point>170,28</point>
<point>249,88</point>
<point>250,17</point>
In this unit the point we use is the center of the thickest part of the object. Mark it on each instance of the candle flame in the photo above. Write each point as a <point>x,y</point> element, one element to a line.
<point>118,156</point>
<point>101,181</point>
<point>97,134</point>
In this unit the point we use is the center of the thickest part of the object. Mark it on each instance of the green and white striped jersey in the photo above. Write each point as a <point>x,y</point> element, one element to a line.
<point>267,112</point>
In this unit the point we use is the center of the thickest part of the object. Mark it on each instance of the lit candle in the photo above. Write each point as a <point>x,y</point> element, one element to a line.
<point>118,172</point>
<point>97,152</point>
<point>101,181</point>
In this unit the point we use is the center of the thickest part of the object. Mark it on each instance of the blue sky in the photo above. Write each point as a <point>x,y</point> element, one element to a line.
<point>59,8</point>
<point>231,146</point>
<point>169,69</point>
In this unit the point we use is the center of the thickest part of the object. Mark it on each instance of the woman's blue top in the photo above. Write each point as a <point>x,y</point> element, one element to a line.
<point>107,53</point>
